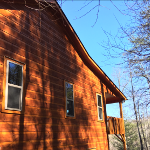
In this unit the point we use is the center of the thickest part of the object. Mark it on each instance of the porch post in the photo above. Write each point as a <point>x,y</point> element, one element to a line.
<point>123,135</point>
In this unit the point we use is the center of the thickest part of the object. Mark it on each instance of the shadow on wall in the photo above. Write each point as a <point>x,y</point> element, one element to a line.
<point>30,36</point>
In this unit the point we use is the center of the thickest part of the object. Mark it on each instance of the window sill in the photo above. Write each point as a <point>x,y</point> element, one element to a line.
<point>68,117</point>
<point>100,120</point>
<point>10,111</point>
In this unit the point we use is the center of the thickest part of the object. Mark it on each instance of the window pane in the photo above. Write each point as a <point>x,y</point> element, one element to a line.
<point>99,100</point>
<point>15,74</point>
<point>100,113</point>
<point>69,88</point>
<point>70,108</point>
<point>13,97</point>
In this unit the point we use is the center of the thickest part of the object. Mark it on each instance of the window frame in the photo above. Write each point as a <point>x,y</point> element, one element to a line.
<point>65,92</point>
<point>97,94</point>
<point>6,84</point>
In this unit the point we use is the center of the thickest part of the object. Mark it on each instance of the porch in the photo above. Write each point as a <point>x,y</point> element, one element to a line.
<point>116,125</point>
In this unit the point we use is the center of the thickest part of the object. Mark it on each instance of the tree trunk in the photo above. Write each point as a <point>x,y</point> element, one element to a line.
<point>143,130</point>
<point>136,114</point>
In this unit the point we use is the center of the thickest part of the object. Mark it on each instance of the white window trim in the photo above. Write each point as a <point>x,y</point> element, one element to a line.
<point>12,85</point>
<point>70,100</point>
<point>99,106</point>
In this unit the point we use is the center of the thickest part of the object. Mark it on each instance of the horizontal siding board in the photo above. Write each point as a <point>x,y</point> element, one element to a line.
<point>51,74</point>
<point>58,85</point>
<point>52,66</point>
<point>58,135</point>
<point>56,88</point>
<point>68,137</point>
<point>34,16</point>
<point>53,94</point>
<point>46,31</point>
<point>58,111</point>
<point>45,104</point>
<point>51,124</point>
<point>12,127</point>
<point>42,112</point>
<point>30,42</point>
<point>35,120</point>
<point>40,144</point>
<point>48,98</point>
<point>58,95</point>
<point>35,77</point>
<point>44,89</point>
<point>41,104</point>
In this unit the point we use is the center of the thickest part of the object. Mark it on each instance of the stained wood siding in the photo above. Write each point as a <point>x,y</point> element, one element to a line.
<point>33,38</point>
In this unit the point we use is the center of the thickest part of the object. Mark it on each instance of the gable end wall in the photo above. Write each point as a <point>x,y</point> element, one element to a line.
<point>36,39</point>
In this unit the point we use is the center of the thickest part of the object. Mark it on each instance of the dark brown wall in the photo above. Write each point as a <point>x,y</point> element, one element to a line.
<point>50,59</point>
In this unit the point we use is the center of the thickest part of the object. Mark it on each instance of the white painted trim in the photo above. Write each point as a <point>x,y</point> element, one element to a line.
<point>99,106</point>
<point>69,100</point>
<point>12,85</point>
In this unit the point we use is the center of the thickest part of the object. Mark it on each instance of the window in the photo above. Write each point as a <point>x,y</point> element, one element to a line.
<point>13,81</point>
<point>99,107</point>
<point>69,99</point>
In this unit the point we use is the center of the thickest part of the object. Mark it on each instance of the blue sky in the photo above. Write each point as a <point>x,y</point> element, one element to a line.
<point>93,37</point>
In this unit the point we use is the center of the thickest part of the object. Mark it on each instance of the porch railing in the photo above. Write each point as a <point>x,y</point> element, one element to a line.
<point>115,125</point>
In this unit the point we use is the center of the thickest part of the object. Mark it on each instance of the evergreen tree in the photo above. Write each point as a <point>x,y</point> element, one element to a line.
<point>131,137</point>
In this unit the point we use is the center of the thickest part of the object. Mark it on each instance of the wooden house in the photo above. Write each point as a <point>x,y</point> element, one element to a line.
<point>53,96</point>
